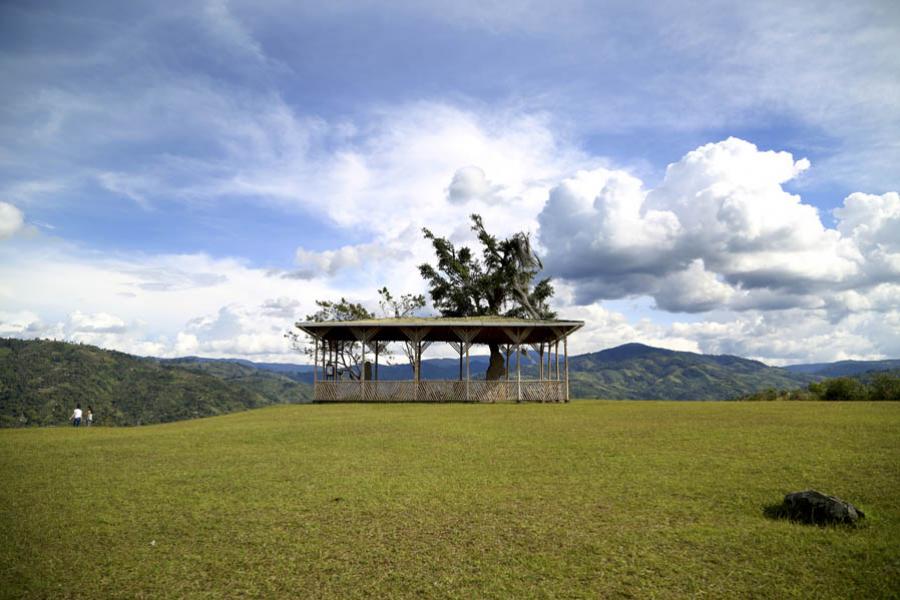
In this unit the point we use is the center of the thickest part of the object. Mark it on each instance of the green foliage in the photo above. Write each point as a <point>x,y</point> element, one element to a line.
<point>339,311</point>
<point>348,355</point>
<point>499,283</point>
<point>884,387</point>
<point>638,372</point>
<point>586,500</point>
<point>406,305</point>
<point>875,387</point>
<point>41,381</point>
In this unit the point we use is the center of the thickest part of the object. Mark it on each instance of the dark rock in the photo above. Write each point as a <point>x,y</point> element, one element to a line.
<point>811,506</point>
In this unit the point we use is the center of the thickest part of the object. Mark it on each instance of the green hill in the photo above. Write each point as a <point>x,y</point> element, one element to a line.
<point>639,372</point>
<point>41,381</point>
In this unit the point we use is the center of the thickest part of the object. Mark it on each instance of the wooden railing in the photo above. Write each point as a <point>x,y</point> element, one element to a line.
<point>432,390</point>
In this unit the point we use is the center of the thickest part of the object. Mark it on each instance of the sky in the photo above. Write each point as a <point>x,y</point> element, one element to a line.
<point>188,178</point>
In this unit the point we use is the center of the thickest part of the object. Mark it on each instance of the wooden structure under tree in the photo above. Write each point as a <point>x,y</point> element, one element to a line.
<point>516,336</point>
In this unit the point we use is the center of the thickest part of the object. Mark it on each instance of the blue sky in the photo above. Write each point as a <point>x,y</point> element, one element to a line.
<point>188,178</point>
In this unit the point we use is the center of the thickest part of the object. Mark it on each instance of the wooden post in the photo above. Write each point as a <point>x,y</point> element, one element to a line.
<point>468,369</point>
<point>376,361</point>
<point>549,361</point>
<point>557,360</point>
<point>362,371</point>
<point>541,362</point>
<point>418,367</point>
<point>461,360</point>
<point>566,352</point>
<point>506,367</point>
<point>315,366</point>
<point>518,373</point>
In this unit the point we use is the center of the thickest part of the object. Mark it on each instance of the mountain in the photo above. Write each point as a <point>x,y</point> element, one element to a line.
<point>42,380</point>
<point>275,386</point>
<point>639,372</point>
<point>630,371</point>
<point>845,368</point>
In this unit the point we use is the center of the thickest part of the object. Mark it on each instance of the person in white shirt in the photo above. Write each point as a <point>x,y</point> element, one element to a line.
<point>90,416</point>
<point>76,416</point>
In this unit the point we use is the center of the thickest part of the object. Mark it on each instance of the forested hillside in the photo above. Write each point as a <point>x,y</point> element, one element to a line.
<point>639,372</point>
<point>41,381</point>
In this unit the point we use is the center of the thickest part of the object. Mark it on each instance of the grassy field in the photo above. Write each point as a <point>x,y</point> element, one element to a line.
<point>591,499</point>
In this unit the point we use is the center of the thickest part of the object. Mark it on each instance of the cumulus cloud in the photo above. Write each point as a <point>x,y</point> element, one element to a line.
<point>236,331</point>
<point>311,263</point>
<point>95,323</point>
<point>11,220</point>
<point>470,183</point>
<point>280,307</point>
<point>719,231</point>
<point>20,324</point>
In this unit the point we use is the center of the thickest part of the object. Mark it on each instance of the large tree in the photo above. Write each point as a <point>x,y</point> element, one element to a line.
<point>501,282</point>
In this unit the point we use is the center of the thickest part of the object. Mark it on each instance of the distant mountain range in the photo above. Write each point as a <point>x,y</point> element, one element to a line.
<point>40,380</point>
<point>845,368</point>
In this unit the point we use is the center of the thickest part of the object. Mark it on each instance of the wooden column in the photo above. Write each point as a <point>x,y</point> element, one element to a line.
<point>315,365</point>
<point>466,336</point>
<point>362,371</point>
<point>506,366</point>
<point>376,361</point>
<point>418,367</point>
<point>541,362</point>
<point>518,373</point>
<point>468,370</point>
<point>557,360</point>
<point>566,352</point>
<point>549,361</point>
<point>363,336</point>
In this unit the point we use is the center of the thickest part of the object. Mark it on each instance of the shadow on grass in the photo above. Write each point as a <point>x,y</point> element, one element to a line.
<point>780,512</point>
<point>777,512</point>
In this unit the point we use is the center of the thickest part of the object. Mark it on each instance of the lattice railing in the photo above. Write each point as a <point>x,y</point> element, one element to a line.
<point>440,390</point>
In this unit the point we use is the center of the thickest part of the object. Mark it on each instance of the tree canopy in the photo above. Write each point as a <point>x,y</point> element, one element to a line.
<point>500,282</point>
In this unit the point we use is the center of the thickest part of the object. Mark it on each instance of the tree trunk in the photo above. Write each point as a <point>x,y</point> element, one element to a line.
<point>496,368</point>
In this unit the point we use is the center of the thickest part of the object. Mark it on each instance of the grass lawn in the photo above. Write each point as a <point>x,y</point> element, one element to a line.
<point>590,499</point>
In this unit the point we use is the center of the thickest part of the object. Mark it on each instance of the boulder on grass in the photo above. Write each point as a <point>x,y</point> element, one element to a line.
<point>811,506</point>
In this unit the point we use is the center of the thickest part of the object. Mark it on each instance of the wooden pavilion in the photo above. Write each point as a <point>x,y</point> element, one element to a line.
<point>513,336</point>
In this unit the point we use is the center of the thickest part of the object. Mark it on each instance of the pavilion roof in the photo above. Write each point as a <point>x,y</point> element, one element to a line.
<point>478,330</point>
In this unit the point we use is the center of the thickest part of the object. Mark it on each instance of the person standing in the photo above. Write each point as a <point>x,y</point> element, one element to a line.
<point>76,416</point>
<point>90,416</point>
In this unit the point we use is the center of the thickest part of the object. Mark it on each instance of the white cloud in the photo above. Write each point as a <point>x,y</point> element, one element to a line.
<point>328,262</point>
<point>22,324</point>
<point>11,220</point>
<point>128,185</point>
<point>281,307</point>
<point>224,26</point>
<point>719,231</point>
<point>95,323</point>
<point>470,183</point>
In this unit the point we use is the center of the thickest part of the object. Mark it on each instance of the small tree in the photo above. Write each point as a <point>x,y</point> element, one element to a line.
<point>348,355</point>
<point>404,306</point>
